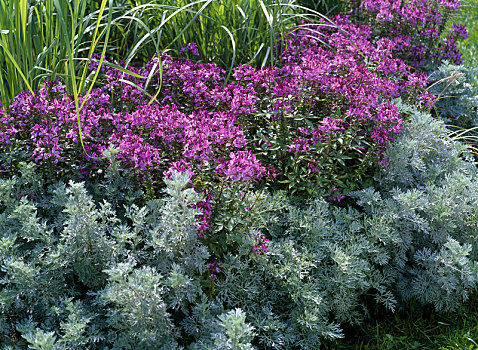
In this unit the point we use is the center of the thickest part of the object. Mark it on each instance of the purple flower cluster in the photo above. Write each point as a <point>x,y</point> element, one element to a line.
<point>349,81</point>
<point>260,244</point>
<point>205,207</point>
<point>224,130</point>
<point>191,47</point>
<point>336,195</point>
<point>415,26</point>
<point>152,138</point>
<point>243,166</point>
<point>213,268</point>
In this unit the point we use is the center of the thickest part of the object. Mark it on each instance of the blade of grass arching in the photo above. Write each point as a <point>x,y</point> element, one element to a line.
<point>148,81</point>
<point>233,43</point>
<point>38,64</point>
<point>317,35</point>
<point>158,7</point>
<point>153,70</point>
<point>177,11</point>
<point>160,81</point>
<point>243,14</point>
<point>264,62</point>
<point>47,72</point>
<point>270,21</point>
<point>115,66</point>
<point>313,13</point>
<point>257,53</point>
<point>136,86</point>
<point>160,64</point>
<point>196,15</point>
<point>281,14</point>
<point>128,72</point>
<point>460,132</point>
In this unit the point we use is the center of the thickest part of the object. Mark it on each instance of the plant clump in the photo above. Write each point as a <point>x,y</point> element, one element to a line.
<point>318,123</point>
<point>184,206</point>
<point>416,28</point>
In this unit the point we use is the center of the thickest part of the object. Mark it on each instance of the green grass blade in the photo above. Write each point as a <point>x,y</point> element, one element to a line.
<point>14,62</point>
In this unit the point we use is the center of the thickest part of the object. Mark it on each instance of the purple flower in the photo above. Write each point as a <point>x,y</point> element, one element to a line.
<point>260,244</point>
<point>415,26</point>
<point>231,132</point>
<point>242,166</point>
<point>214,269</point>
<point>191,47</point>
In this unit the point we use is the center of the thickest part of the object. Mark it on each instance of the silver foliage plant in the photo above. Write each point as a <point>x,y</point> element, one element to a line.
<point>414,235</point>
<point>78,271</point>
<point>87,279</point>
<point>456,86</point>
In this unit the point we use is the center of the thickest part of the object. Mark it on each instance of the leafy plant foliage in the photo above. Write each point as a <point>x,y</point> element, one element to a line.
<point>320,122</point>
<point>78,272</point>
<point>416,27</point>
<point>456,87</point>
<point>265,207</point>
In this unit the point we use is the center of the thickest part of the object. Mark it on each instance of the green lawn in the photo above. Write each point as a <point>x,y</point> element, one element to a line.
<point>416,328</point>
